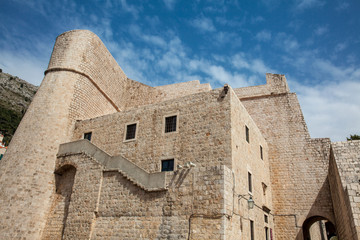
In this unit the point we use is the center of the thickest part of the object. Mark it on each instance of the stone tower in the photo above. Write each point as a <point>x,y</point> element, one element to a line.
<point>82,81</point>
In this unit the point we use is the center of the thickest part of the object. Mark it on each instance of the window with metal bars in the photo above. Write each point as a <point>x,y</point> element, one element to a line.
<point>170,124</point>
<point>130,131</point>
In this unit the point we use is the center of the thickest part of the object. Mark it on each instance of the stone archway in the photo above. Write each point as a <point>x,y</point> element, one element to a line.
<point>318,228</point>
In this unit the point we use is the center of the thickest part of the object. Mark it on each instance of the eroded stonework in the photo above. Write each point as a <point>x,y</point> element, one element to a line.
<point>228,147</point>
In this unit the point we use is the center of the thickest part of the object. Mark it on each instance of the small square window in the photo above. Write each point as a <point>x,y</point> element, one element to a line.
<point>170,124</point>
<point>88,136</point>
<point>167,165</point>
<point>247,134</point>
<point>261,153</point>
<point>130,131</point>
<point>250,182</point>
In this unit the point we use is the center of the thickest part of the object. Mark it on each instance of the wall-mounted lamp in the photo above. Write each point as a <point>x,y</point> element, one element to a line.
<point>250,201</point>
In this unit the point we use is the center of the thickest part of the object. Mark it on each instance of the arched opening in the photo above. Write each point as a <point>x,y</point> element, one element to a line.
<point>319,228</point>
<point>56,222</point>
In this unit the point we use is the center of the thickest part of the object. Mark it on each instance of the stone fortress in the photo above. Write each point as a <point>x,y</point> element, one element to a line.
<point>181,161</point>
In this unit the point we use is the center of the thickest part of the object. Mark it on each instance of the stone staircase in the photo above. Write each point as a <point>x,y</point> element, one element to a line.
<point>148,181</point>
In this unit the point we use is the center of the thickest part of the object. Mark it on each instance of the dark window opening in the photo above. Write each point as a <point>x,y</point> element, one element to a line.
<point>250,182</point>
<point>266,218</point>
<point>167,165</point>
<point>261,153</point>
<point>130,131</point>
<point>247,134</point>
<point>252,230</point>
<point>170,124</point>
<point>88,136</point>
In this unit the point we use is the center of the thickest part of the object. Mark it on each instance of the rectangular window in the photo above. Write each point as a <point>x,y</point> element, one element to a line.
<point>252,230</point>
<point>247,134</point>
<point>167,165</point>
<point>250,182</point>
<point>266,218</point>
<point>261,153</point>
<point>130,131</point>
<point>266,233</point>
<point>88,136</point>
<point>170,124</point>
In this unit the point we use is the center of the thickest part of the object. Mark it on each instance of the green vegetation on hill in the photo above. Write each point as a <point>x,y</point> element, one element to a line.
<point>9,121</point>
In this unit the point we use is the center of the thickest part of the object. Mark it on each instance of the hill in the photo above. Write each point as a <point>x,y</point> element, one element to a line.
<point>16,95</point>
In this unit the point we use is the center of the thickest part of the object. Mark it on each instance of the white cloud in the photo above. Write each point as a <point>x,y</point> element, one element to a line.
<point>25,66</point>
<point>263,36</point>
<point>257,19</point>
<point>305,4</point>
<point>254,65</point>
<point>219,74</point>
<point>331,110</point>
<point>169,4</point>
<point>129,8</point>
<point>286,42</point>
<point>340,47</point>
<point>204,24</point>
<point>342,6</point>
<point>222,38</point>
<point>321,30</point>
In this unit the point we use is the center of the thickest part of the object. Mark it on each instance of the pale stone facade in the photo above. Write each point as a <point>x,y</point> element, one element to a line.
<point>227,147</point>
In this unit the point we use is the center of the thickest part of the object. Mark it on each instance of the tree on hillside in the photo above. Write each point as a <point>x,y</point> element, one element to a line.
<point>353,137</point>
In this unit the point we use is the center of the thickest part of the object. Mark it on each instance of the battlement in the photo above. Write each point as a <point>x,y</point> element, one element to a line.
<point>275,84</point>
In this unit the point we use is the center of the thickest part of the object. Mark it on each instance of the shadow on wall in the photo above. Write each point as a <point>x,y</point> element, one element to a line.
<point>56,222</point>
<point>321,210</point>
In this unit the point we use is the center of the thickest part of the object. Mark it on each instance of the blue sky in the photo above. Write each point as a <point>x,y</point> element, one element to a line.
<point>315,43</point>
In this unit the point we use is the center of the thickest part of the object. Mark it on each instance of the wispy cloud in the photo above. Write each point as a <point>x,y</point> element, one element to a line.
<point>257,19</point>
<point>254,65</point>
<point>130,8</point>
<point>203,24</point>
<point>263,36</point>
<point>342,6</point>
<point>327,108</point>
<point>25,65</point>
<point>286,42</point>
<point>321,30</point>
<point>169,4</point>
<point>305,4</point>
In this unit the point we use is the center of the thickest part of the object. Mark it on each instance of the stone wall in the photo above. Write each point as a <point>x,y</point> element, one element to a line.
<point>181,89</point>
<point>104,204</point>
<point>345,192</point>
<point>298,165</point>
<point>203,124</point>
<point>246,158</point>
